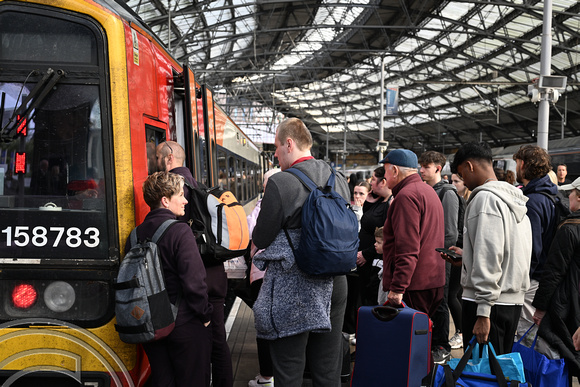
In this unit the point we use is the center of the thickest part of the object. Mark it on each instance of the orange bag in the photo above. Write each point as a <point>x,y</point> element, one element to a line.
<point>219,224</point>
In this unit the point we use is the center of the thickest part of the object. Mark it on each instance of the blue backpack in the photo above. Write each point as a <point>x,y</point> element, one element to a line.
<point>329,236</point>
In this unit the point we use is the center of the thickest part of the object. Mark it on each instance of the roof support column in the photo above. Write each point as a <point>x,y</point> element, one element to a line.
<point>545,66</point>
<point>381,128</point>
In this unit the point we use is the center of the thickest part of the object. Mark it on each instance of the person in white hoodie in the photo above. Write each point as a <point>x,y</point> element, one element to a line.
<point>497,246</point>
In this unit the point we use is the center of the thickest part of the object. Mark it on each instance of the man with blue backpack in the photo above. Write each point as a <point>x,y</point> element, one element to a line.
<point>301,304</point>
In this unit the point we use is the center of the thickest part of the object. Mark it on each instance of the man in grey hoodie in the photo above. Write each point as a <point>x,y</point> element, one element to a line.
<point>496,251</point>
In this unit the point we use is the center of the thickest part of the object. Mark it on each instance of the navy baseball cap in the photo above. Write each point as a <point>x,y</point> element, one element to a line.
<point>401,158</point>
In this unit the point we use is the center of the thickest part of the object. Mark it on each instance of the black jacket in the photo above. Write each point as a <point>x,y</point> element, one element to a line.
<point>182,266</point>
<point>558,293</point>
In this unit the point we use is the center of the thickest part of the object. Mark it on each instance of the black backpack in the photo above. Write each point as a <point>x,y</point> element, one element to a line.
<point>219,224</point>
<point>562,211</point>
<point>460,213</point>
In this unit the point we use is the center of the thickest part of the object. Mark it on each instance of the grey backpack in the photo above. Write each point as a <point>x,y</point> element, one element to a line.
<point>144,312</point>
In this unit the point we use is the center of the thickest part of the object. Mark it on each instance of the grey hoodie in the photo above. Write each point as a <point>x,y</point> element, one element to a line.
<point>497,247</point>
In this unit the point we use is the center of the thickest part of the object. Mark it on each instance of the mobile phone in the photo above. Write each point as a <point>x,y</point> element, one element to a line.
<point>451,253</point>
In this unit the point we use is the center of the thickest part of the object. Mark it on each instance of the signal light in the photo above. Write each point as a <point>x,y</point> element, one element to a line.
<point>22,127</point>
<point>20,163</point>
<point>59,296</point>
<point>24,296</point>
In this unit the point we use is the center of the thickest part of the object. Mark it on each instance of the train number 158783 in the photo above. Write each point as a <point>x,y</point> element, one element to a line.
<point>40,236</point>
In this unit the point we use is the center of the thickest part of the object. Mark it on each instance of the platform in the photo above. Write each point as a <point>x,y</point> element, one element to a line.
<point>242,342</point>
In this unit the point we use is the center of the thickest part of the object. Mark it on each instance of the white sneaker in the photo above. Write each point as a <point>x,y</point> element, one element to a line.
<point>260,381</point>
<point>456,341</point>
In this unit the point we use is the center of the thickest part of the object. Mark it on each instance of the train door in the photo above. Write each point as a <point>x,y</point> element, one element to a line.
<point>192,140</point>
<point>209,147</point>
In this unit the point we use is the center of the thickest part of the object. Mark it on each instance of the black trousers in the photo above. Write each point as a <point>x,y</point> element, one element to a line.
<point>264,357</point>
<point>221,359</point>
<point>441,317</point>
<point>503,325</point>
<point>182,358</point>
<point>454,298</point>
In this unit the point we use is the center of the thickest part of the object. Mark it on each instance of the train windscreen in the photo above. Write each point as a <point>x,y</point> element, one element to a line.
<point>52,174</point>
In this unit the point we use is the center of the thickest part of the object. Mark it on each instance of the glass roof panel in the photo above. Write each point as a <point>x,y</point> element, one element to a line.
<point>310,59</point>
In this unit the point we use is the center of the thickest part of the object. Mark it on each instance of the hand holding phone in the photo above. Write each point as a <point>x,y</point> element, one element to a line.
<point>452,254</point>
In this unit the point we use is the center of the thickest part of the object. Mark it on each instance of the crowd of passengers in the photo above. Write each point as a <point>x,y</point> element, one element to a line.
<point>518,265</point>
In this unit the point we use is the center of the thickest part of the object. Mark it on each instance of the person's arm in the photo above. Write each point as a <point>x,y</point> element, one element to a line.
<point>253,217</point>
<point>488,235</point>
<point>271,219</point>
<point>562,250</point>
<point>576,339</point>
<point>358,211</point>
<point>537,225</point>
<point>191,272</point>
<point>405,220</point>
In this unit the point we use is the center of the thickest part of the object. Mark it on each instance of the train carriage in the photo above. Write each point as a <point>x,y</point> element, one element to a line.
<point>86,93</point>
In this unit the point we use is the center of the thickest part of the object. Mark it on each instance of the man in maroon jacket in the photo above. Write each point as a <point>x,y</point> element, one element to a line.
<point>413,271</point>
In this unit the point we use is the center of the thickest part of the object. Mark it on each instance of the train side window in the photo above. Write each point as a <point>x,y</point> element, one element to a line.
<point>253,182</point>
<point>179,122</point>
<point>232,175</point>
<point>197,156</point>
<point>245,177</point>
<point>203,161</point>
<point>239,172</point>
<point>222,170</point>
<point>251,190</point>
<point>154,137</point>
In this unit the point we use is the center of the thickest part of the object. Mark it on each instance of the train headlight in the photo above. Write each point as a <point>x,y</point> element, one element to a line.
<point>24,296</point>
<point>59,296</point>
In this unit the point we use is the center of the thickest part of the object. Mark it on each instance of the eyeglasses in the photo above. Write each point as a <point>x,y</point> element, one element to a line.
<point>168,147</point>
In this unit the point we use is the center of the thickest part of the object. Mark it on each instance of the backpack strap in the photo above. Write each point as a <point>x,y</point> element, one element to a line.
<point>156,237</point>
<point>304,179</point>
<point>133,237</point>
<point>162,229</point>
<point>551,197</point>
<point>308,183</point>
<point>570,221</point>
<point>444,189</point>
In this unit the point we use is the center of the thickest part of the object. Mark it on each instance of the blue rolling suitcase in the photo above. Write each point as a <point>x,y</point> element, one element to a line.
<point>393,347</point>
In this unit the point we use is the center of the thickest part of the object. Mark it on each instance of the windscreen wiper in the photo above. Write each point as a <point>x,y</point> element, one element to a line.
<point>10,131</point>
<point>2,100</point>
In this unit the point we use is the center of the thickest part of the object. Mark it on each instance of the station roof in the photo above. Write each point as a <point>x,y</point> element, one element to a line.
<point>462,67</point>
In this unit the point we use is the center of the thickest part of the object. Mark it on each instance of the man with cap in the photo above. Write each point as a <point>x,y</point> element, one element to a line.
<point>413,271</point>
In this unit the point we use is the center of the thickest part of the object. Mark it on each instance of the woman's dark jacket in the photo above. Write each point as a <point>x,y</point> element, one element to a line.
<point>374,215</point>
<point>558,292</point>
<point>182,265</point>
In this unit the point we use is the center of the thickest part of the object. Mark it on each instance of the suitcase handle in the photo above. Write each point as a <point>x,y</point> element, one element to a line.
<point>385,313</point>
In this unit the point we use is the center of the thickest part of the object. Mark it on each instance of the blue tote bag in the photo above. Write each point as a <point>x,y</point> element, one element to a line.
<point>511,363</point>
<point>445,376</point>
<point>541,371</point>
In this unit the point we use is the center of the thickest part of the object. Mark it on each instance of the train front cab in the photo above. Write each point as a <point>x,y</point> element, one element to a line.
<point>86,97</point>
<point>66,202</point>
